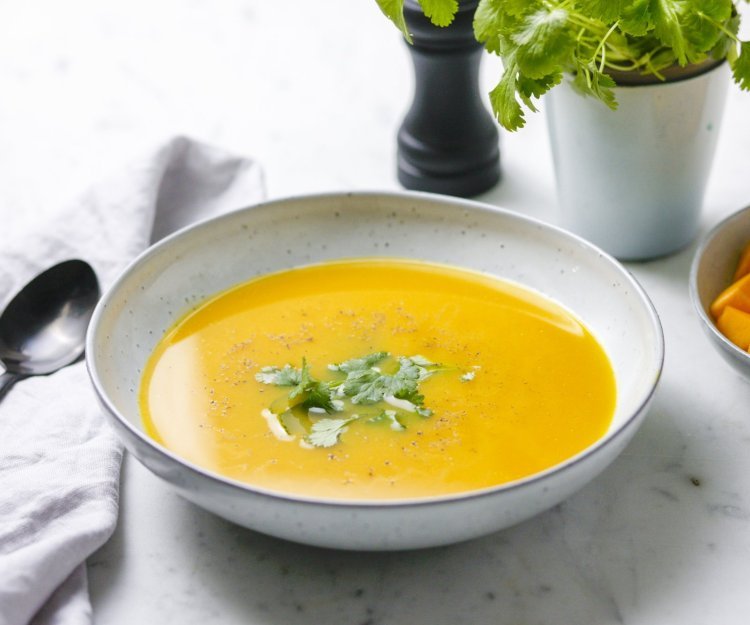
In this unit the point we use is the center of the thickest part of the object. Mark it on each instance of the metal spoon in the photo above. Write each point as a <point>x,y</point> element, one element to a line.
<point>43,328</point>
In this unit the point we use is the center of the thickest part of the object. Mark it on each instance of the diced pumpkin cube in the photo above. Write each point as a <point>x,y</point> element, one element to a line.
<point>736,295</point>
<point>735,325</point>
<point>743,267</point>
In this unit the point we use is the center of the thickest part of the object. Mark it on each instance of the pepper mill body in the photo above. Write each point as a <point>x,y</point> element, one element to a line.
<point>448,142</point>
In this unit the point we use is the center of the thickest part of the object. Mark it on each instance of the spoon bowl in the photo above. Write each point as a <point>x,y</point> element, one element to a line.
<point>43,328</point>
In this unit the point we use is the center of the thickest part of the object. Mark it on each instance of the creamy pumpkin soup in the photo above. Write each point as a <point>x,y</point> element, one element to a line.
<point>377,378</point>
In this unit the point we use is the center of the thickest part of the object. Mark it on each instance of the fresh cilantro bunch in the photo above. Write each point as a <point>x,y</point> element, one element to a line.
<point>541,40</point>
<point>324,408</point>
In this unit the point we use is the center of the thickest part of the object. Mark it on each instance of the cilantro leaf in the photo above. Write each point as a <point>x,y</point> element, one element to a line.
<point>440,12</point>
<point>726,47</point>
<point>741,67</point>
<point>357,364</point>
<point>605,10</point>
<point>326,432</point>
<point>286,376</point>
<point>307,391</point>
<point>544,43</point>
<point>319,395</point>
<point>366,386</point>
<point>704,28</point>
<point>490,20</point>
<point>636,18</point>
<point>394,11</point>
<point>529,88</point>
<point>505,106</point>
<point>313,393</point>
<point>668,28</point>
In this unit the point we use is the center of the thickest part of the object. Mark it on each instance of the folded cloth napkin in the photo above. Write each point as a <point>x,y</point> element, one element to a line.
<point>59,461</point>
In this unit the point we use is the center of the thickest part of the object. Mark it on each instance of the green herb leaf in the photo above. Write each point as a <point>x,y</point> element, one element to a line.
<point>636,18</point>
<point>313,393</point>
<point>359,364</point>
<point>440,12</point>
<point>704,28</point>
<point>726,47</point>
<point>668,28</point>
<point>529,88</point>
<point>505,106</point>
<point>307,391</point>
<point>544,43</point>
<point>490,19</point>
<point>368,385</point>
<point>741,67</point>
<point>326,432</point>
<point>605,10</point>
<point>394,11</point>
<point>286,376</point>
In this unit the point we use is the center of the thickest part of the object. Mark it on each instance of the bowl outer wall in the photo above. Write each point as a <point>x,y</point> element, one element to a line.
<point>711,272</point>
<point>199,261</point>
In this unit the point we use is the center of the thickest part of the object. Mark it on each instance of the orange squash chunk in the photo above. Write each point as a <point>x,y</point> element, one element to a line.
<point>735,325</point>
<point>743,267</point>
<point>736,295</point>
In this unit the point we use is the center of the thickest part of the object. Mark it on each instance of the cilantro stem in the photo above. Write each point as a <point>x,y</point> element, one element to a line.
<point>602,47</point>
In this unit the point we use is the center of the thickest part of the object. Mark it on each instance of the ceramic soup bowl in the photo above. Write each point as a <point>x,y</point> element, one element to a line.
<point>195,263</point>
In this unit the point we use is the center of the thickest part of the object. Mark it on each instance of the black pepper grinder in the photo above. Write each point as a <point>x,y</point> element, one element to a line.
<point>448,142</point>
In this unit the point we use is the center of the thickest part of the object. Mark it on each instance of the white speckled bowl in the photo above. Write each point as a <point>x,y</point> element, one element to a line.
<point>204,259</point>
<point>713,266</point>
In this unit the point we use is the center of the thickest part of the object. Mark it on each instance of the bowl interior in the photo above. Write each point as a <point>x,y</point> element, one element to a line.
<point>188,267</point>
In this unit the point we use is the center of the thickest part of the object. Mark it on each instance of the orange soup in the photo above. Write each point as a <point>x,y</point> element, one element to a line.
<point>377,379</point>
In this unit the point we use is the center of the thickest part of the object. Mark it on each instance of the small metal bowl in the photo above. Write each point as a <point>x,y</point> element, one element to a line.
<point>713,265</point>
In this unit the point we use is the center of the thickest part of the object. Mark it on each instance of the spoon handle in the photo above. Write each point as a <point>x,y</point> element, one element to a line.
<point>7,380</point>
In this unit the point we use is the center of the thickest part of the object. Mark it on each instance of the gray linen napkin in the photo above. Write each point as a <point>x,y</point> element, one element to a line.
<point>59,461</point>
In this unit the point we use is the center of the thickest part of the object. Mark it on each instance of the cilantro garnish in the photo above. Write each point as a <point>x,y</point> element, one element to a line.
<point>377,379</point>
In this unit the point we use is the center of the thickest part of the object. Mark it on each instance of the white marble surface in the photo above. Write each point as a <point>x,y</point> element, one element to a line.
<point>315,91</point>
